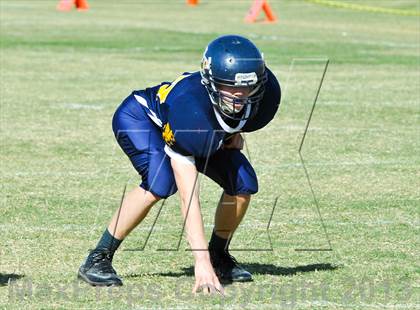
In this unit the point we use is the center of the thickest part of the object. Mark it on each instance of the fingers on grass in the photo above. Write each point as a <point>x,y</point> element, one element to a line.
<point>209,289</point>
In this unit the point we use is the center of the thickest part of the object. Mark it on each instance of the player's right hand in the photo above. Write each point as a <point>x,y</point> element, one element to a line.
<point>206,280</point>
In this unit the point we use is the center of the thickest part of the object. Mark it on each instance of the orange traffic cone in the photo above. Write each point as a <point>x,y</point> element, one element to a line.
<point>256,8</point>
<point>81,5</point>
<point>192,2</point>
<point>66,5</point>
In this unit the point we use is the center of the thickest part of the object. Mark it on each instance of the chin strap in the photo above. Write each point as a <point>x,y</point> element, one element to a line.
<point>226,127</point>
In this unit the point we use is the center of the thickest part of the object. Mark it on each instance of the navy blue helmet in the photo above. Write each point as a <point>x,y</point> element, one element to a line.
<point>232,65</point>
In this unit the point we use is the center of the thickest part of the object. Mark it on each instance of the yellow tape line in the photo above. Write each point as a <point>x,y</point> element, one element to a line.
<point>365,8</point>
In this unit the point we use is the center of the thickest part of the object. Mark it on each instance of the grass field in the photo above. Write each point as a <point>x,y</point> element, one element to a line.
<point>62,173</point>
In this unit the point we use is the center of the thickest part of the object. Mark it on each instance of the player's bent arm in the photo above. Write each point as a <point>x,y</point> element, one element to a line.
<point>185,177</point>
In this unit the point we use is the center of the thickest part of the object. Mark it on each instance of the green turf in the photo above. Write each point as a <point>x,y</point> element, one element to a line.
<point>62,174</point>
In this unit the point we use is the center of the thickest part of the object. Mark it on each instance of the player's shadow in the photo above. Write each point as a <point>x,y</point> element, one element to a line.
<point>253,268</point>
<point>4,278</point>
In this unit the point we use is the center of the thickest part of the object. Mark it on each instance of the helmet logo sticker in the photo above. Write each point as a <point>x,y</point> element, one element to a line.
<point>206,64</point>
<point>246,78</point>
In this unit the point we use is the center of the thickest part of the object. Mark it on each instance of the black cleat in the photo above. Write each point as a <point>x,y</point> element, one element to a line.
<point>97,269</point>
<point>227,268</point>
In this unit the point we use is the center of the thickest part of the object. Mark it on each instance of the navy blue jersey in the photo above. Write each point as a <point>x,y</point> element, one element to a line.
<point>190,126</point>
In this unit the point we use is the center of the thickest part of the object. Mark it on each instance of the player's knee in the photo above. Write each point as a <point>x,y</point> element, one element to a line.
<point>159,178</point>
<point>152,198</point>
<point>162,191</point>
<point>243,199</point>
<point>249,187</point>
<point>248,182</point>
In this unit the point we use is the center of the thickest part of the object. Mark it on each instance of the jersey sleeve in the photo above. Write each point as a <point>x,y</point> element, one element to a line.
<point>188,130</point>
<point>268,106</point>
<point>179,157</point>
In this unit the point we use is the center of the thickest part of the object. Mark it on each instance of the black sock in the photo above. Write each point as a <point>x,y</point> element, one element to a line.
<point>218,244</point>
<point>108,242</point>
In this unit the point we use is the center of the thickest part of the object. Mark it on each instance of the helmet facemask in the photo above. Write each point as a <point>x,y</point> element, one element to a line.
<point>232,106</point>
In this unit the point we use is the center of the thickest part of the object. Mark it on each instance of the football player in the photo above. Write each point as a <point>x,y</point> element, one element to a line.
<point>174,130</point>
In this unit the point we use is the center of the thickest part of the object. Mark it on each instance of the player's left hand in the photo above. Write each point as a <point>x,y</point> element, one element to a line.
<point>235,142</point>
